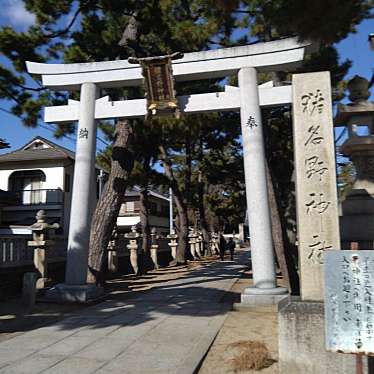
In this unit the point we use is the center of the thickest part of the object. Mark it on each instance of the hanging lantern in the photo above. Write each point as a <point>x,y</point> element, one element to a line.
<point>159,84</point>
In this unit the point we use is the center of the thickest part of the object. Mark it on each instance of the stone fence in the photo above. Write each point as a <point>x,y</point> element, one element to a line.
<point>15,252</point>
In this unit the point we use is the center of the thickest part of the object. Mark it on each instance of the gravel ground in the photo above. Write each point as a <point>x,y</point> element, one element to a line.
<point>258,324</point>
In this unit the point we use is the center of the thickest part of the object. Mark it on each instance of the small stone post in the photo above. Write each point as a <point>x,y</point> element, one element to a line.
<point>133,236</point>
<point>214,243</point>
<point>199,244</point>
<point>154,248</point>
<point>241,232</point>
<point>192,242</point>
<point>112,252</point>
<point>29,289</point>
<point>40,232</point>
<point>236,240</point>
<point>173,243</point>
<point>202,249</point>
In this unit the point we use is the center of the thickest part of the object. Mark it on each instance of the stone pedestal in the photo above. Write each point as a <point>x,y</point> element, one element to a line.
<point>173,243</point>
<point>133,236</point>
<point>154,255</point>
<point>193,243</point>
<point>154,247</point>
<point>40,263</point>
<point>133,248</point>
<point>262,296</point>
<point>41,231</point>
<point>173,247</point>
<point>112,261</point>
<point>302,342</point>
<point>199,246</point>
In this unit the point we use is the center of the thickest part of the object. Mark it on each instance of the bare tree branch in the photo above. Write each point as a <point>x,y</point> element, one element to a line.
<point>68,27</point>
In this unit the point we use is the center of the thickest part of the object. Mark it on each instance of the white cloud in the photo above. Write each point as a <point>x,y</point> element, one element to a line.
<point>15,14</point>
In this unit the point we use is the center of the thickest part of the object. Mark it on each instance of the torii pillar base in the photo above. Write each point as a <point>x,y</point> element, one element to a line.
<point>65,293</point>
<point>263,296</point>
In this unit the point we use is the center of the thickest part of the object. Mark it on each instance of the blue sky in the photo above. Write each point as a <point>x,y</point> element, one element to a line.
<point>354,47</point>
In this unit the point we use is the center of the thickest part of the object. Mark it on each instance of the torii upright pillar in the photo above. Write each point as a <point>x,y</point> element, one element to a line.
<point>265,288</point>
<point>82,204</point>
<point>75,288</point>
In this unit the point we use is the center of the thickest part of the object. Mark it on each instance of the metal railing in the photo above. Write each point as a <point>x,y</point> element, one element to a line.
<point>41,196</point>
<point>14,251</point>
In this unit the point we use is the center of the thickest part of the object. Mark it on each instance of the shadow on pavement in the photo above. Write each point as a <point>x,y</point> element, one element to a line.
<point>199,293</point>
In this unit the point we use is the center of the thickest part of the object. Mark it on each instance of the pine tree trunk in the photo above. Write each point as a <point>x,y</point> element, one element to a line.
<point>182,228</point>
<point>108,207</point>
<point>281,244</point>
<point>203,220</point>
<point>143,212</point>
<point>188,173</point>
<point>181,209</point>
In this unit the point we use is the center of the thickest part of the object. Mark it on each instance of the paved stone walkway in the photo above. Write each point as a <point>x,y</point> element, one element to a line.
<point>165,330</point>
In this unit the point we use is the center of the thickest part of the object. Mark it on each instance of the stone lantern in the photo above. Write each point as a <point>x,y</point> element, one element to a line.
<point>192,236</point>
<point>112,252</point>
<point>200,244</point>
<point>41,232</point>
<point>214,243</point>
<point>173,243</point>
<point>357,221</point>
<point>154,247</point>
<point>133,237</point>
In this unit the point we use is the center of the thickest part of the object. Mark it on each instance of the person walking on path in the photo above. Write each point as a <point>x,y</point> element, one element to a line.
<point>222,247</point>
<point>231,248</point>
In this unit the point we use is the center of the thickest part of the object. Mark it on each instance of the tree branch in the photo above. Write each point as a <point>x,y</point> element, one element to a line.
<point>9,94</point>
<point>68,27</point>
<point>246,12</point>
<point>29,88</point>
<point>217,43</point>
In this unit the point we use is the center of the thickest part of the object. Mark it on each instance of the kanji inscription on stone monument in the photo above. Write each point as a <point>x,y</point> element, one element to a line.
<point>316,200</point>
<point>349,301</point>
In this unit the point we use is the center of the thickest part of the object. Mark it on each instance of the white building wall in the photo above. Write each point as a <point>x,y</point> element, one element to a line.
<point>54,177</point>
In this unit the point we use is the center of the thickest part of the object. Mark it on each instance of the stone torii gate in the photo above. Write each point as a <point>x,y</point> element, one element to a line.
<point>89,78</point>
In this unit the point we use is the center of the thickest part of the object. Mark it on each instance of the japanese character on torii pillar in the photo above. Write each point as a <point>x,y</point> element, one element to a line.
<point>89,78</point>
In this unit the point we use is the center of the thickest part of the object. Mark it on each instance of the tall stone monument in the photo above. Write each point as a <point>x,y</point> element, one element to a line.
<point>301,321</point>
<point>316,195</point>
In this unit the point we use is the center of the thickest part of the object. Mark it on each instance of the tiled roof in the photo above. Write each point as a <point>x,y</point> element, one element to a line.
<point>56,152</point>
<point>34,155</point>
